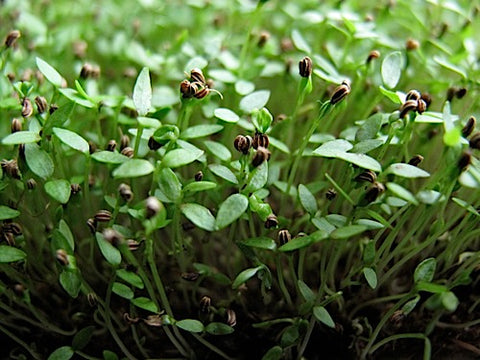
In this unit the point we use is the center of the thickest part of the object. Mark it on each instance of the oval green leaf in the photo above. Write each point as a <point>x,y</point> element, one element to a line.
<point>218,149</point>
<point>402,193</point>
<point>39,161</point>
<point>231,209</point>
<point>198,131</point>
<point>347,231</point>
<point>406,170</point>
<point>145,303</point>
<point>72,139</point>
<point>190,325</point>
<point>109,252</point>
<point>370,276</point>
<point>130,277</point>
<point>50,73</point>
<point>21,137</point>
<point>142,93</point>
<point>133,168</point>
<point>260,242</point>
<point>122,290</point>
<point>199,215</point>
<point>8,213</point>
<point>199,186</point>
<point>244,276</point>
<point>180,157</point>
<point>425,270</point>
<point>223,172</point>
<point>307,199</point>
<point>10,254</point>
<point>255,100</point>
<point>226,115</point>
<point>62,353</point>
<point>217,328</point>
<point>392,69</point>
<point>58,190</point>
<point>322,315</point>
<point>109,157</point>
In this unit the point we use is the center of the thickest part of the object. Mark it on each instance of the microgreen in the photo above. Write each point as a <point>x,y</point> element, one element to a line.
<point>239,179</point>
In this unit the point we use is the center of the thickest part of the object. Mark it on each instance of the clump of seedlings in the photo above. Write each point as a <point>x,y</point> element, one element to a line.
<point>282,213</point>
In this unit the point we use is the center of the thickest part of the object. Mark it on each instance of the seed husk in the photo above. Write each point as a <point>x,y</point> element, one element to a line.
<point>305,67</point>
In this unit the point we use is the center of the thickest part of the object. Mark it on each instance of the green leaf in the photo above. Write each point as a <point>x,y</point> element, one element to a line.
<point>332,149</point>
<point>322,315</point>
<point>410,305</point>
<point>67,234</point>
<point>199,186</point>
<point>274,353</point>
<point>304,241</point>
<point>392,69</point>
<point>262,119</point>
<point>244,276</point>
<point>198,131</point>
<point>122,290</point>
<point>10,254</point>
<point>402,193</point>
<point>223,172</point>
<point>142,93</point>
<point>231,209</point>
<point>130,277</point>
<point>262,242</point>
<point>64,352</point>
<point>290,336</point>
<point>217,328</point>
<point>169,185</point>
<point>180,157</point>
<point>306,292</point>
<point>7,213</point>
<point>256,100</point>
<point>406,170</point>
<point>109,355</point>
<point>219,150</point>
<point>370,127</point>
<point>430,287</point>
<point>39,161</point>
<point>366,146</point>
<point>59,190</point>
<point>369,252</point>
<point>82,338</point>
<point>279,145</point>
<point>109,157</point>
<point>71,282</point>
<point>109,252</point>
<point>72,139</point>
<point>145,303</point>
<point>449,66</point>
<point>59,117</point>
<point>133,168</point>
<point>370,276</point>
<point>307,199</point>
<point>199,215</point>
<point>347,231</point>
<point>50,73</point>
<point>226,115</point>
<point>449,301</point>
<point>77,98</point>
<point>461,203</point>
<point>430,197</point>
<point>190,325</point>
<point>393,96</point>
<point>21,137</point>
<point>362,160</point>
<point>300,42</point>
<point>452,137</point>
<point>425,270</point>
<point>257,178</point>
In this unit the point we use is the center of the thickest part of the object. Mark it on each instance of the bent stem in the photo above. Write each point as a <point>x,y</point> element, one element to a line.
<point>325,108</point>
<point>426,351</point>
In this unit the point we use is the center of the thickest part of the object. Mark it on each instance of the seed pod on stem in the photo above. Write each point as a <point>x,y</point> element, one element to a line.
<point>305,67</point>
<point>340,92</point>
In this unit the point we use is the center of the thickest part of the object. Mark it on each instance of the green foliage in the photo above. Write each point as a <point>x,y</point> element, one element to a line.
<point>167,173</point>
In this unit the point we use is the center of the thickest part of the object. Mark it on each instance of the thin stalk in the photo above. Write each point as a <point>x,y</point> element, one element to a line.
<point>427,347</point>
<point>306,339</point>
<point>380,325</point>
<point>108,321</point>
<point>138,137</point>
<point>20,342</point>
<point>281,281</point>
<point>254,18</point>
<point>324,110</point>
<point>211,346</point>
